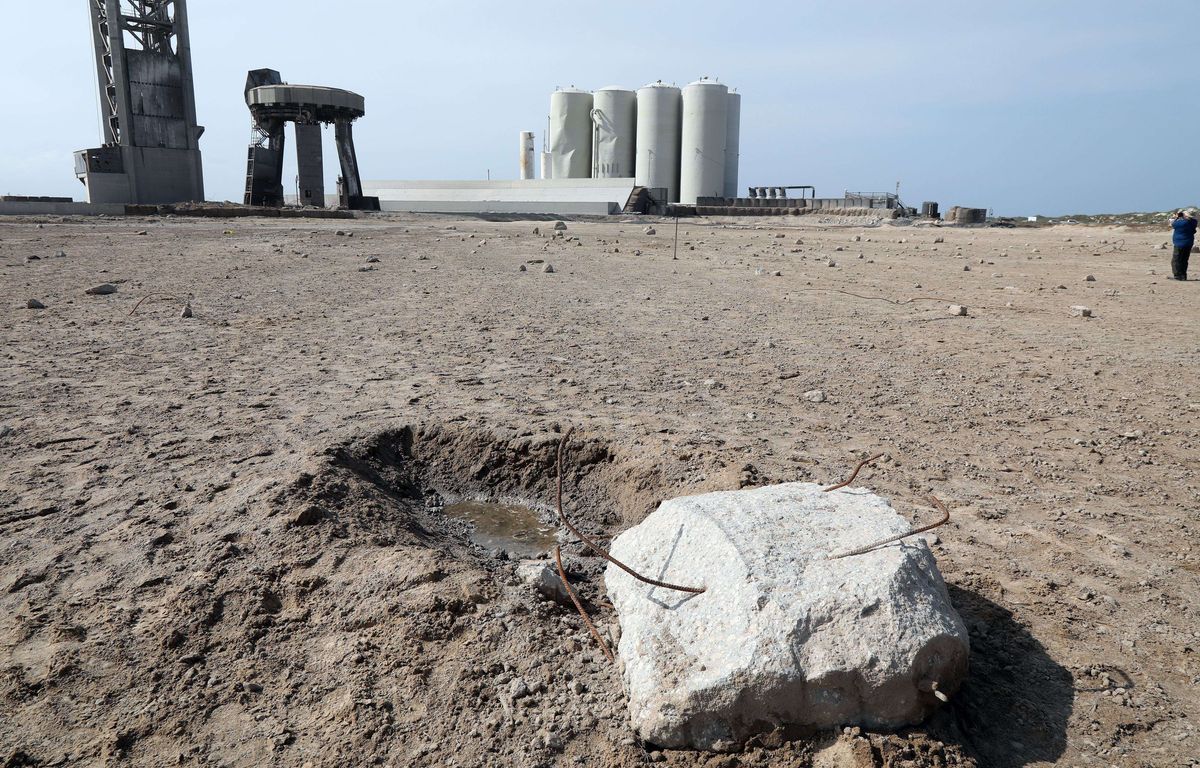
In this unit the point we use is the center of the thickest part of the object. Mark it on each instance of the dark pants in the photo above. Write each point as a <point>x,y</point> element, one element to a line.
<point>1179,261</point>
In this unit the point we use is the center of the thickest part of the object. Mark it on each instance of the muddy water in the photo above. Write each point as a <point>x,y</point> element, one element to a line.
<point>511,527</point>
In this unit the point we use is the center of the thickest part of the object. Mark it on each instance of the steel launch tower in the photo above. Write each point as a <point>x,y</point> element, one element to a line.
<point>151,151</point>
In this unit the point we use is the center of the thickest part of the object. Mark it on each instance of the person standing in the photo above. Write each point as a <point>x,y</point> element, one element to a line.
<point>1184,237</point>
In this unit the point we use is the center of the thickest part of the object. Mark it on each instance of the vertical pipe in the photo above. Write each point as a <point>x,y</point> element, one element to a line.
<point>526,159</point>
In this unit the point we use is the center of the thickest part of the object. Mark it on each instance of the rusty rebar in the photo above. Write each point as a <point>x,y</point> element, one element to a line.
<point>562,574</point>
<point>149,296</point>
<point>854,474</point>
<point>870,547</point>
<point>596,547</point>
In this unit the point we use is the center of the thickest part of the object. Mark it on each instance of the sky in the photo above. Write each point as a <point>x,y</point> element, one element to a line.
<point>1021,106</point>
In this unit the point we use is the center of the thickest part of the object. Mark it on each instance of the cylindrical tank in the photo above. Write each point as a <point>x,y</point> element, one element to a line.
<point>614,117</point>
<point>547,165</point>
<point>702,157</point>
<point>659,120</point>
<point>526,155</point>
<point>733,136</point>
<point>571,133</point>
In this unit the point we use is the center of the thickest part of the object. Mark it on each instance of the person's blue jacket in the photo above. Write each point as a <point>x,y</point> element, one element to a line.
<point>1185,232</point>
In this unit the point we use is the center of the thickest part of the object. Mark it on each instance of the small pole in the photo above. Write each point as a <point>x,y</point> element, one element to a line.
<point>676,234</point>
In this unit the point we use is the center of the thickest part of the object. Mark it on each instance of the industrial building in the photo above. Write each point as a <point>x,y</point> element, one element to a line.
<point>607,151</point>
<point>151,151</point>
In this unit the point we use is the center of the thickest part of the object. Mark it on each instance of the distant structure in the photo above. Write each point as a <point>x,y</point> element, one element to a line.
<point>151,151</point>
<point>679,145</point>
<point>273,104</point>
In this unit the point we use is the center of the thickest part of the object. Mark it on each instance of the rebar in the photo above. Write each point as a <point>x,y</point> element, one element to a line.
<point>870,547</point>
<point>854,474</point>
<point>596,547</point>
<point>562,574</point>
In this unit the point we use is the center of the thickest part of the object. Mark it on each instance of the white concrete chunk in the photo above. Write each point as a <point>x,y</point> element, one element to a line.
<point>782,636</point>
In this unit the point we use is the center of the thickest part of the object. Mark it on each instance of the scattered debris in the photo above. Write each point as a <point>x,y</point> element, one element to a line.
<point>888,631</point>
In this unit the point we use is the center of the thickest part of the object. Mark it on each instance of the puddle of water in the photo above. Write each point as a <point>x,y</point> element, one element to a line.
<point>511,527</point>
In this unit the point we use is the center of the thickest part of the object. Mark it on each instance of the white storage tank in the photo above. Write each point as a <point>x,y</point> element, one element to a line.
<point>733,138</point>
<point>571,133</point>
<point>614,117</point>
<point>659,120</point>
<point>705,125</point>
<point>526,159</point>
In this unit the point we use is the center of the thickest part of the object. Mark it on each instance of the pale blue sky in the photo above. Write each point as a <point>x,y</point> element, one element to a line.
<point>1024,106</point>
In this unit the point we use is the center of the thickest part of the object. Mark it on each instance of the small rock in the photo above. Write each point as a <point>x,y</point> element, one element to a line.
<point>537,231</point>
<point>104,289</point>
<point>187,311</point>
<point>560,226</point>
<point>518,689</point>
<point>339,233</point>
<point>958,310</point>
<point>939,240</point>
<point>373,260</point>
<point>1089,279</point>
<point>34,304</point>
<point>814,396</point>
<point>542,576</point>
<point>1081,311</point>
<point>831,263</point>
<point>651,231</point>
<point>367,268</point>
<point>524,268</point>
<point>60,254</point>
<point>966,267</point>
<point>548,269</point>
<point>31,258</point>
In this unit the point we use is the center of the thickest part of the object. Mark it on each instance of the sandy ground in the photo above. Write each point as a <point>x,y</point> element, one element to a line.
<point>219,536</point>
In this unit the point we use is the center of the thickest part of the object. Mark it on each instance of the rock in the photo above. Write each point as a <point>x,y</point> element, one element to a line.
<point>187,311</point>
<point>814,396</point>
<point>366,268</point>
<point>524,268</point>
<point>1081,311</point>
<point>537,231</point>
<point>518,689</point>
<point>651,231</point>
<point>104,289</point>
<point>831,263</point>
<point>32,258</point>
<point>782,635</point>
<point>966,267</point>
<point>938,240</point>
<point>958,310</point>
<point>34,304</point>
<point>560,226</point>
<point>373,260</point>
<point>548,269</point>
<point>60,254</point>
<point>1089,279</point>
<point>542,576</point>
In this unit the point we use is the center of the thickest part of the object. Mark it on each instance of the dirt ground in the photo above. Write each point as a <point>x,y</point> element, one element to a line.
<point>220,542</point>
